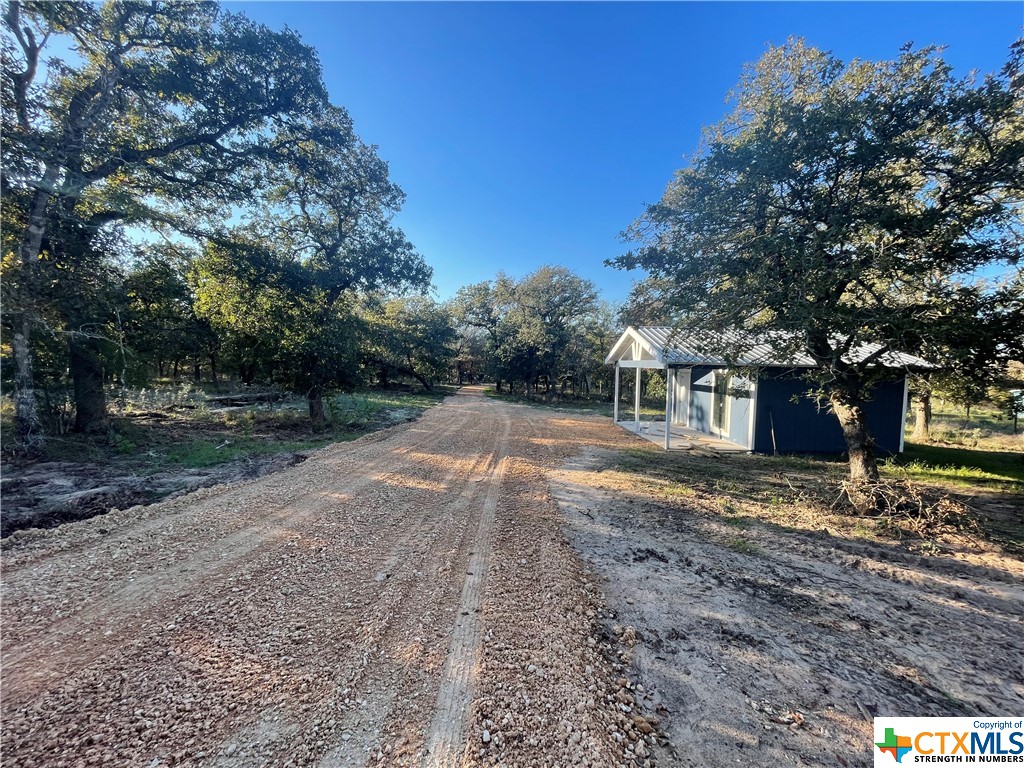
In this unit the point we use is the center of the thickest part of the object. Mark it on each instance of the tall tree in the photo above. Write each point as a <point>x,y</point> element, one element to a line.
<point>477,313</point>
<point>279,324</point>
<point>286,283</point>
<point>332,214</point>
<point>161,112</point>
<point>408,336</point>
<point>832,190</point>
<point>975,333</point>
<point>158,325</point>
<point>553,304</point>
<point>648,303</point>
<point>534,326</point>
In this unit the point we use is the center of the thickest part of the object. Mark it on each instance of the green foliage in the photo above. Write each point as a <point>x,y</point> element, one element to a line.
<point>275,319</point>
<point>833,193</point>
<point>648,303</point>
<point>181,116</point>
<point>351,410</point>
<point>656,385</point>
<point>744,546</point>
<point>548,326</point>
<point>408,336</point>
<point>837,206</point>
<point>159,322</point>
<point>961,466</point>
<point>122,444</point>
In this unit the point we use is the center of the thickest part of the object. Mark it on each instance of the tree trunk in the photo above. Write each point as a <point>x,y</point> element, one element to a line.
<point>315,399</point>
<point>87,375</point>
<point>213,372</point>
<point>382,377</point>
<point>81,116</point>
<point>922,417</point>
<point>860,447</point>
<point>427,385</point>
<point>27,428</point>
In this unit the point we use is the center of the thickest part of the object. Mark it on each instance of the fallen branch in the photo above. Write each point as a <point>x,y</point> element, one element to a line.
<point>905,508</point>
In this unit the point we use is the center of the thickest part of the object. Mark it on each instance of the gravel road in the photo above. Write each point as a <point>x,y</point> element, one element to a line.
<point>406,599</point>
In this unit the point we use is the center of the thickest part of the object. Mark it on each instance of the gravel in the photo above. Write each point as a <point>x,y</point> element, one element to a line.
<point>383,596</point>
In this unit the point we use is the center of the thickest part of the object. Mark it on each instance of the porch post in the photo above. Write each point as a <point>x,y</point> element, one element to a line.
<point>615,407</point>
<point>668,408</point>
<point>636,403</point>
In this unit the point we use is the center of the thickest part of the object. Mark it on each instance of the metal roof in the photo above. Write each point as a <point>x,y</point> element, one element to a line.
<point>672,347</point>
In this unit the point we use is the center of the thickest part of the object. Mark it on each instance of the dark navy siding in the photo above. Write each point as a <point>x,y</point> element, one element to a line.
<point>802,427</point>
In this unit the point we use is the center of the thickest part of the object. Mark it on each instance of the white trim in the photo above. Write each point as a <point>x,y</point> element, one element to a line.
<point>640,364</point>
<point>615,408</point>
<point>683,402</point>
<point>668,408</point>
<point>906,407</point>
<point>752,423</point>
<point>636,400</point>
<point>632,341</point>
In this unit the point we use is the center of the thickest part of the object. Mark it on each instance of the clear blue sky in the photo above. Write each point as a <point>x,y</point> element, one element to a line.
<point>534,133</point>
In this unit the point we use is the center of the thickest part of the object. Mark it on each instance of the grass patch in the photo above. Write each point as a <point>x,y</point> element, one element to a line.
<point>744,546</point>
<point>163,435</point>
<point>679,491</point>
<point>799,492</point>
<point>960,466</point>
<point>986,430</point>
<point>200,454</point>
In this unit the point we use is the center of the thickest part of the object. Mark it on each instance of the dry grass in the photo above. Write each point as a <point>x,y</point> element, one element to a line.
<point>804,493</point>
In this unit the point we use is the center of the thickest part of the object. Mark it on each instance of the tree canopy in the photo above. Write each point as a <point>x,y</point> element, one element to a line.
<point>542,327</point>
<point>843,204</point>
<point>182,116</point>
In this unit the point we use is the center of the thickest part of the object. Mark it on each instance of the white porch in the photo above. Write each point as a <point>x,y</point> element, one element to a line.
<point>680,438</point>
<point>634,353</point>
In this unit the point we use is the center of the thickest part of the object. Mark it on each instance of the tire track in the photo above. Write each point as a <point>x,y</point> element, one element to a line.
<point>119,615</point>
<point>447,735</point>
<point>328,615</point>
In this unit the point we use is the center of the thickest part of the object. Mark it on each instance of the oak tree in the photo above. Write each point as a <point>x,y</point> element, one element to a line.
<point>161,111</point>
<point>820,204</point>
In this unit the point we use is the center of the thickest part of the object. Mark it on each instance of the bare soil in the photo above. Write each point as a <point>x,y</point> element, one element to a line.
<point>87,478</point>
<point>481,587</point>
<point>50,493</point>
<point>765,644</point>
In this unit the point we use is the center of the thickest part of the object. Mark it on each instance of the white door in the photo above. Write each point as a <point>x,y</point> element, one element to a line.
<point>681,398</point>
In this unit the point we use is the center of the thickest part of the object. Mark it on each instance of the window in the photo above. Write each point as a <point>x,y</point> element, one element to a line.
<point>720,402</point>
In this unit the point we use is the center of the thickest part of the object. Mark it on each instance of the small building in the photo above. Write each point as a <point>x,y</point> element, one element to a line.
<point>764,411</point>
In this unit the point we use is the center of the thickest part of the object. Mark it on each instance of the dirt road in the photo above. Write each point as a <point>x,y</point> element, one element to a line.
<point>407,599</point>
<point>410,599</point>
